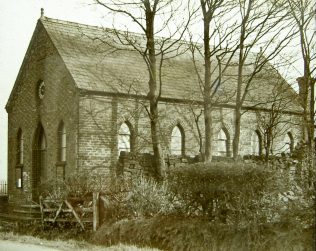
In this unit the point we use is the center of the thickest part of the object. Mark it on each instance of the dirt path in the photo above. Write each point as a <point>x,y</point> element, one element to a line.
<point>16,246</point>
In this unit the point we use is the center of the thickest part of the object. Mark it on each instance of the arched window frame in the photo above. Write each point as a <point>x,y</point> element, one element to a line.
<point>62,143</point>
<point>226,140</point>
<point>177,141</point>
<point>257,152</point>
<point>125,137</point>
<point>19,160</point>
<point>20,148</point>
<point>291,143</point>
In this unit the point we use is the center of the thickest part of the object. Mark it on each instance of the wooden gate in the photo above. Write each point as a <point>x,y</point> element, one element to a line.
<point>71,210</point>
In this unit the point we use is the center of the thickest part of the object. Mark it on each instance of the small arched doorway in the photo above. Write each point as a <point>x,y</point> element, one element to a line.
<point>39,156</point>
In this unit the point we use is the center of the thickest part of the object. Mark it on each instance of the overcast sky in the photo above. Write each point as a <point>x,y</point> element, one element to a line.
<point>17,23</point>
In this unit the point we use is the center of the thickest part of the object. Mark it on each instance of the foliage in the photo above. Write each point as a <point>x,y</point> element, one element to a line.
<point>177,233</point>
<point>77,185</point>
<point>149,198</point>
<point>138,197</point>
<point>220,191</point>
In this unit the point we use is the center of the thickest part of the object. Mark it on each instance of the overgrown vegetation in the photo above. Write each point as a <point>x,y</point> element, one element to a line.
<point>202,206</point>
<point>217,206</point>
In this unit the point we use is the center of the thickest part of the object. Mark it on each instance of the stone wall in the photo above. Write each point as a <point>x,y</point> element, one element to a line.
<point>26,111</point>
<point>102,116</point>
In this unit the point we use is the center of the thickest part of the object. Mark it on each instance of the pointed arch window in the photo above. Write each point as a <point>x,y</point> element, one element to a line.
<point>223,143</point>
<point>62,143</point>
<point>124,138</point>
<point>20,148</point>
<point>177,141</point>
<point>42,149</point>
<point>19,159</point>
<point>256,143</point>
<point>289,143</point>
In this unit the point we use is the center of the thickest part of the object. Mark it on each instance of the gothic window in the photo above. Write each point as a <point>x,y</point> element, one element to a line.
<point>62,142</point>
<point>42,149</point>
<point>19,159</point>
<point>289,143</point>
<point>222,143</point>
<point>256,143</point>
<point>124,138</point>
<point>20,148</point>
<point>177,141</point>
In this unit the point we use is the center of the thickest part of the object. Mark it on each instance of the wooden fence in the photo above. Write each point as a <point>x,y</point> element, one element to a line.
<point>3,187</point>
<point>70,210</point>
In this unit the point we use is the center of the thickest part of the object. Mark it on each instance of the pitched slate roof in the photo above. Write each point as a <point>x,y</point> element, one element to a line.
<point>96,66</point>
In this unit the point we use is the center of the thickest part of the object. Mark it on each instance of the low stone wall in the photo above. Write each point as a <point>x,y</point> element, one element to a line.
<point>144,164</point>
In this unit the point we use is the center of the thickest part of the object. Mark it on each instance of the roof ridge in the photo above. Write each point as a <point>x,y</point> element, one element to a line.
<point>103,28</point>
<point>54,20</point>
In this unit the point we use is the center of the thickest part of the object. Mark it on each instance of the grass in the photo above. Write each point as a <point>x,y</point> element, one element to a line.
<point>172,233</point>
<point>62,244</point>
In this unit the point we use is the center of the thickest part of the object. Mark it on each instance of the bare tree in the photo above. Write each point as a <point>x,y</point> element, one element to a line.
<point>216,59</point>
<point>274,122</point>
<point>262,26</point>
<point>302,13</point>
<point>155,50</point>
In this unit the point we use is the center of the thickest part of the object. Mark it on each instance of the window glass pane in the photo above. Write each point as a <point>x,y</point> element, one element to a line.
<point>222,143</point>
<point>62,143</point>
<point>43,142</point>
<point>63,139</point>
<point>124,138</point>
<point>63,154</point>
<point>176,141</point>
<point>20,148</point>
<point>288,143</point>
<point>255,144</point>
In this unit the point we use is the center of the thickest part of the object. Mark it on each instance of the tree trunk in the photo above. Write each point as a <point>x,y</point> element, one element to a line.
<point>312,114</point>
<point>207,93</point>
<point>237,132</point>
<point>208,133</point>
<point>268,148</point>
<point>241,62</point>
<point>153,94</point>
<point>155,137</point>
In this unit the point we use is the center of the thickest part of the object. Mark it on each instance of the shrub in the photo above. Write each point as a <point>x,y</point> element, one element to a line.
<point>221,191</point>
<point>78,185</point>
<point>148,198</point>
<point>137,198</point>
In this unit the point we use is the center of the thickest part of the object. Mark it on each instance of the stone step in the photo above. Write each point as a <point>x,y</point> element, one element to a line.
<point>21,211</point>
<point>33,206</point>
<point>15,217</point>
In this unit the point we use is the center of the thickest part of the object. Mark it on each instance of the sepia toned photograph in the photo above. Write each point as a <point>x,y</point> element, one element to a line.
<point>157,125</point>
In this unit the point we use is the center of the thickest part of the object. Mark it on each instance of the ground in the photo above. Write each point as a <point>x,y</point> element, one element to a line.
<point>14,242</point>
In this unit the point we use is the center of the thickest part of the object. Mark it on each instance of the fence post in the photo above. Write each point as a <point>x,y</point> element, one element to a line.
<point>3,187</point>
<point>96,219</point>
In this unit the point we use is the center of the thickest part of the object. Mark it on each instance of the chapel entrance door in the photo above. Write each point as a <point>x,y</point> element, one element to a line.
<point>39,153</point>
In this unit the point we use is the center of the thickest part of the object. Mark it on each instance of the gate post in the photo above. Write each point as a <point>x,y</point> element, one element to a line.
<point>96,215</point>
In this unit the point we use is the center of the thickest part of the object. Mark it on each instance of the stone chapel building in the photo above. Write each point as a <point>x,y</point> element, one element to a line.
<point>76,105</point>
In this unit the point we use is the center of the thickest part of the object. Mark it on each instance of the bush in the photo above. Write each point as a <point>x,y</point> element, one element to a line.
<point>137,198</point>
<point>78,185</point>
<point>148,198</point>
<point>230,192</point>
